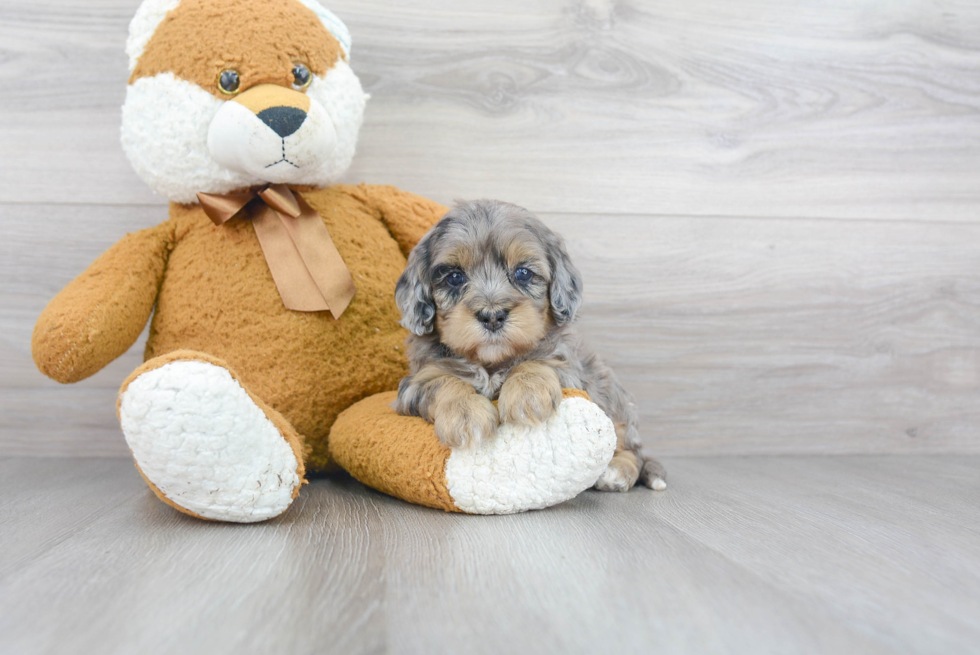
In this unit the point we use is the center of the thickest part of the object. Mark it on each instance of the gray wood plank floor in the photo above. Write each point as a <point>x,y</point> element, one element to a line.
<point>859,554</point>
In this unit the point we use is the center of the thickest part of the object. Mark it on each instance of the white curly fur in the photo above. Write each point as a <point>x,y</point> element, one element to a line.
<point>525,468</point>
<point>148,17</point>
<point>165,134</point>
<point>197,435</point>
<point>165,123</point>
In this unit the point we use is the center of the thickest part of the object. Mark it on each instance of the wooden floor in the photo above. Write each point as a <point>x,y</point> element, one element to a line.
<point>846,554</point>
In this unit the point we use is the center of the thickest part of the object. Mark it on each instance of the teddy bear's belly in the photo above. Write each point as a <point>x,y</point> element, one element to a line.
<point>218,297</point>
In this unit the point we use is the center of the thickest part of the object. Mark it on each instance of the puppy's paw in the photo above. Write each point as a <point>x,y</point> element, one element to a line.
<point>466,421</point>
<point>621,474</point>
<point>530,395</point>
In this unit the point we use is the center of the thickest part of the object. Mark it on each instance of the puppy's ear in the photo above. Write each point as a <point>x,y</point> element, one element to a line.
<point>413,294</point>
<point>565,291</point>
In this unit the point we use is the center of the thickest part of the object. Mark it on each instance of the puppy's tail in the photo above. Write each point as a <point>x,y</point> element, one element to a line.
<point>653,475</point>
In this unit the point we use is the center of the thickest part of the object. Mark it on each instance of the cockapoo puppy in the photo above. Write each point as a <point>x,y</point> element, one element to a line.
<point>489,295</point>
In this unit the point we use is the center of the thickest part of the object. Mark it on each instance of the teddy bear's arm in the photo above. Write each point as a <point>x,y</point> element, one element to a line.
<point>100,314</point>
<point>407,216</point>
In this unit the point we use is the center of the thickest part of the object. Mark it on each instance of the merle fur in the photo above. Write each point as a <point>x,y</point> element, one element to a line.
<point>483,227</point>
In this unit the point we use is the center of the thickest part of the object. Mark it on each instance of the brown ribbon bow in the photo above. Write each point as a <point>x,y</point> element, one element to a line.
<point>308,271</point>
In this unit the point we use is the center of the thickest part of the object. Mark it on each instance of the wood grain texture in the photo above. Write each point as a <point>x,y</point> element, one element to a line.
<point>775,206</point>
<point>779,336</point>
<point>45,246</point>
<point>844,109</point>
<point>735,336</point>
<point>758,554</point>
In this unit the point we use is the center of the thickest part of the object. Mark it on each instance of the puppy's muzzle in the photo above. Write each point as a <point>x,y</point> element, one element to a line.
<point>492,321</point>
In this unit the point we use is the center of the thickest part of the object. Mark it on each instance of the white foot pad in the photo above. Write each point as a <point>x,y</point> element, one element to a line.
<point>197,435</point>
<point>526,468</point>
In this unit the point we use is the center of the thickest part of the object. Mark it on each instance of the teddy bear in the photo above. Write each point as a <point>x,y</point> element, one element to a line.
<point>274,346</point>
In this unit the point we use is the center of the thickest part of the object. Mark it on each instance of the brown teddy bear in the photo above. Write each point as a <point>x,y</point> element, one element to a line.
<point>273,288</point>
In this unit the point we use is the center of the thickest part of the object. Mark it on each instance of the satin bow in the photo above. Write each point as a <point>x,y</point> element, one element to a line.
<point>308,271</point>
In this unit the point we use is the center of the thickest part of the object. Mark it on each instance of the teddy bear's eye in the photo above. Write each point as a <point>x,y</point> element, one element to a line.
<point>301,76</point>
<point>229,82</point>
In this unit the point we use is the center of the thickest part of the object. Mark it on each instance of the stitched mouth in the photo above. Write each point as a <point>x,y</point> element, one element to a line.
<point>284,159</point>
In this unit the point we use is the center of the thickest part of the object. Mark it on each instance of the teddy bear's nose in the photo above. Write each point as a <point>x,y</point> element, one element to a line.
<point>283,120</point>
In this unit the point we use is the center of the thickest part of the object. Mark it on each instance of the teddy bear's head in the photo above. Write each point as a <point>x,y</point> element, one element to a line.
<point>229,94</point>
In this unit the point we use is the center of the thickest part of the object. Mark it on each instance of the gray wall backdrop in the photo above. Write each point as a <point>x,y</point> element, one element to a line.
<point>776,205</point>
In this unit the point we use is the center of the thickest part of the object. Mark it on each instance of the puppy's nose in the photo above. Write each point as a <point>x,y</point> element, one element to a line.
<point>283,120</point>
<point>493,321</point>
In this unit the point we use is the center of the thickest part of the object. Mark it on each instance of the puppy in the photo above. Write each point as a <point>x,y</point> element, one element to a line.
<point>489,295</point>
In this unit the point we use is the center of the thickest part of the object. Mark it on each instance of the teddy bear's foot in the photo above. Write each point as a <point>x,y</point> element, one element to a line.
<point>521,468</point>
<point>526,468</point>
<point>205,445</point>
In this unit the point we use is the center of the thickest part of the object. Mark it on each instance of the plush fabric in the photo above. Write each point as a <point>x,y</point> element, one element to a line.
<point>204,444</point>
<point>100,314</point>
<point>397,455</point>
<point>289,32</point>
<point>215,295</point>
<point>240,396</point>
<point>393,454</point>
<point>171,80</point>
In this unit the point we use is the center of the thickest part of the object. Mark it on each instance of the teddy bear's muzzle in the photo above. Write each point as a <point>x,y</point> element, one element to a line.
<point>271,133</point>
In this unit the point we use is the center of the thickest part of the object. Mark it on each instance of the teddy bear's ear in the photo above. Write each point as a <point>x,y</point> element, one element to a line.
<point>148,17</point>
<point>333,24</point>
<point>413,294</point>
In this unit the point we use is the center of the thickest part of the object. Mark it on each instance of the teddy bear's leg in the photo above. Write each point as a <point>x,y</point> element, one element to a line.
<point>204,444</point>
<point>519,469</point>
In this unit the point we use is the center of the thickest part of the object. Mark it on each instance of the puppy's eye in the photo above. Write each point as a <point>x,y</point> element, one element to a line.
<point>229,82</point>
<point>455,279</point>
<point>301,76</point>
<point>523,275</point>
